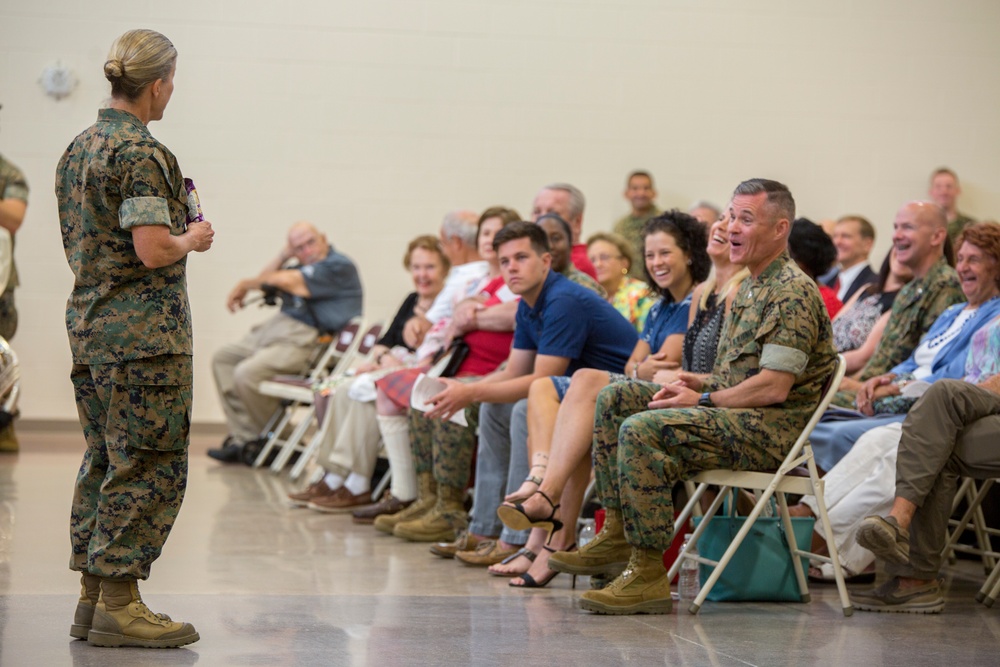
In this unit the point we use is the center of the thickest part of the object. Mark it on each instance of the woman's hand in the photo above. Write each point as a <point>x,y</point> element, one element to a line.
<point>867,394</point>
<point>654,363</point>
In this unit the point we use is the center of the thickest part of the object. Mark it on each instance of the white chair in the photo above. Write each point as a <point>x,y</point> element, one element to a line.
<point>296,393</point>
<point>361,354</point>
<point>776,483</point>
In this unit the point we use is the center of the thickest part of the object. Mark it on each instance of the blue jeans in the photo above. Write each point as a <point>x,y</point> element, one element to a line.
<point>501,466</point>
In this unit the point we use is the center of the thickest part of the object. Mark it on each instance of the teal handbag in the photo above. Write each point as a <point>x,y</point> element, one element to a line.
<point>762,568</point>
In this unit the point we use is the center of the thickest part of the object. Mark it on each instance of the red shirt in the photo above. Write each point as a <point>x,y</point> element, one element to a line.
<point>830,300</point>
<point>487,349</point>
<point>580,261</point>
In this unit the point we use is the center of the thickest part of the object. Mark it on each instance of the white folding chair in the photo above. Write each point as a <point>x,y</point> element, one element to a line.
<point>776,483</point>
<point>361,354</point>
<point>974,513</point>
<point>296,392</point>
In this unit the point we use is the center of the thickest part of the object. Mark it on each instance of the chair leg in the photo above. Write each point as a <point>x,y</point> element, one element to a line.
<point>831,543</point>
<point>292,444</point>
<point>275,435</point>
<point>793,547</point>
<point>682,519</point>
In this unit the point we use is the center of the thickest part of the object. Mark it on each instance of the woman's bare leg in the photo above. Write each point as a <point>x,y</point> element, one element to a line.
<point>543,408</point>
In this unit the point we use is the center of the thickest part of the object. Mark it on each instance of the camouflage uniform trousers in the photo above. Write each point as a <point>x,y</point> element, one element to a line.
<point>652,450</point>
<point>8,315</point>
<point>443,447</point>
<point>136,417</point>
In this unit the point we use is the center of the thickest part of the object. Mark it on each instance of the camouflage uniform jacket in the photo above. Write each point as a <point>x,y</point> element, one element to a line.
<point>12,186</point>
<point>917,305</point>
<point>115,176</point>
<point>778,322</point>
<point>630,226</point>
<point>956,226</point>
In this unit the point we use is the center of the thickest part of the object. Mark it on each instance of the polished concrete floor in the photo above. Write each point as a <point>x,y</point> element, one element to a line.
<point>269,585</point>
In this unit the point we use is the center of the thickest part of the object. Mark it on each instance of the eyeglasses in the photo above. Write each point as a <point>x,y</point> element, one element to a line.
<point>594,259</point>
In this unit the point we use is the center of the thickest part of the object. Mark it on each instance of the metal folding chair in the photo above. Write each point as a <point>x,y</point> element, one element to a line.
<point>777,483</point>
<point>297,396</point>
<point>361,354</point>
<point>974,514</point>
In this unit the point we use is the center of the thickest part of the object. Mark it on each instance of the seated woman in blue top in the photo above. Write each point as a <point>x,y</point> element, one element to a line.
<point>676,260</point>
<point>941,353</point>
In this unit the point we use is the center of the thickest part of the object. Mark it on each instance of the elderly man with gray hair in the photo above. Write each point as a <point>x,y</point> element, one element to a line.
<point>568,203</point>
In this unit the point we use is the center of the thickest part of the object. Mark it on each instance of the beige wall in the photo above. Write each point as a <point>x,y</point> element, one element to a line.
<point>373,117</point>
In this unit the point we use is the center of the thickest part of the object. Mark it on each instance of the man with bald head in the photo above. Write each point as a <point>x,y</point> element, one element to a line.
<point>320,292</point>
<point>919,233</point>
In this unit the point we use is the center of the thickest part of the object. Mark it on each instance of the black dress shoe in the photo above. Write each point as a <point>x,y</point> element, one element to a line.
<point>231,452</point>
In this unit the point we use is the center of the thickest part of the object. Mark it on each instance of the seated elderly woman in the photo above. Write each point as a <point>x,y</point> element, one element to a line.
<point>864,481</point>
<point>940,354</point>
<point>814,252</point>
<point>612,257</point>
<point>858,327</point>
<point>348,453</point>
<point>561,410</point>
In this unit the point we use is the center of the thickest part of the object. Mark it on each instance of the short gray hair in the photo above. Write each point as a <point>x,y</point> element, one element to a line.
<point>702,203</point>
<point>779,197</point>
<point>461,225</point>
<point>576,200</point>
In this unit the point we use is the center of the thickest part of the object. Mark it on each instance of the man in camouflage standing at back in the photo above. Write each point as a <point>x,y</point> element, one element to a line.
<point>774,355</point>
<point>13,204</point>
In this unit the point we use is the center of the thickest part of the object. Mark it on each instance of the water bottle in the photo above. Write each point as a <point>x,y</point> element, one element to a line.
<point>587,532</point>
<point>689,583</point>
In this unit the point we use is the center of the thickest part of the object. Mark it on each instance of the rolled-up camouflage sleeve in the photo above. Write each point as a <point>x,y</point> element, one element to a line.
<point>148,189</point>
<point>788,332</point>
<point>13,185</point>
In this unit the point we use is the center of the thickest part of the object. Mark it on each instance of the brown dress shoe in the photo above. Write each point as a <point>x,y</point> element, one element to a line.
<point>466,541</point>
<point>488,552</point>
<point>303,498</point>
<point>389,504</point>
<point>340,501</point>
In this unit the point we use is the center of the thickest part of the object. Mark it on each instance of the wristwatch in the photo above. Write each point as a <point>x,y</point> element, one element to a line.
<point>706,400</point>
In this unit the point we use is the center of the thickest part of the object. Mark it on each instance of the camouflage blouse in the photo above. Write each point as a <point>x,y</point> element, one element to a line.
<point>778,322</point>
<point>115,176</point>
<point>12,186</point>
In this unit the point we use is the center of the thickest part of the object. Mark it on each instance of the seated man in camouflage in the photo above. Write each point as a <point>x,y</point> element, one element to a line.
<point>774,355</point>
<point>320,293</point>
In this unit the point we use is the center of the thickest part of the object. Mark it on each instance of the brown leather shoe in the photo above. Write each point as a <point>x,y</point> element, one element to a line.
<point>389,504</point>
<point>489,552</point>
<point>303,498</point>
<point>466,541</point>
<point>340,501</point>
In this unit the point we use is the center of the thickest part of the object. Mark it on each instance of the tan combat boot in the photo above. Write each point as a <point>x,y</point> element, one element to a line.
<point>643,588</point>
<point>426,499</point>
<point>8,440</point>
<point>90,592</point>
<point>606,554</point>
<point>121,618</point>
<point>442,523</point>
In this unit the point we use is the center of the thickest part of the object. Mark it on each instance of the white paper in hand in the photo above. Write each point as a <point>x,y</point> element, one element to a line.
<point>427,387</point>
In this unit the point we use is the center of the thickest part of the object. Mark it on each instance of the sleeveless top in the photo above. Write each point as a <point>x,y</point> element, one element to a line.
<point>702,339</point>
<point>851,330</point>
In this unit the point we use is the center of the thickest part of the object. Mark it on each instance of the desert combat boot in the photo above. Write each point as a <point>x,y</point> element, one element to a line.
<point>90,592</point>
<point>606,554</point>
<point>642,588</point>
<point>442,523</point>
<point>425,502</point>
<point>121,618</point>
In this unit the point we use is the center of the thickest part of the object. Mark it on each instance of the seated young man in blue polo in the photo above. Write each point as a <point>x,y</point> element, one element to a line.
<point>560,327</point>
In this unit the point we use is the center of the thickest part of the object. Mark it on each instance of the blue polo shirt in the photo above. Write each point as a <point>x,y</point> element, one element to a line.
<point>665,320</point>
<point>573,322</point>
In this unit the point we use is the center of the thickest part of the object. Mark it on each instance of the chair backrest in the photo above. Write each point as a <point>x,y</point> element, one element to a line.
<point>342,344</point>
<point>830,388</point>
<point>370,338</point>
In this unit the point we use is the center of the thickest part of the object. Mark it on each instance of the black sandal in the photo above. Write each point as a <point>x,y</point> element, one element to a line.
<point>514,517</point>
<point>523,551</point>
<point>530,582</point>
